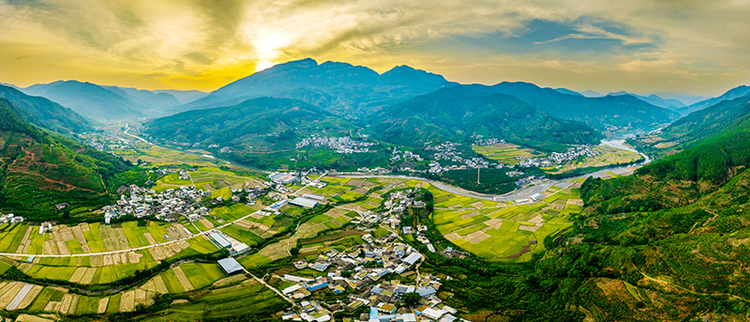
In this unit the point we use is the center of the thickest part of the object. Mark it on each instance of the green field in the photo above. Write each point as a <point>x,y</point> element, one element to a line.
<point>506,153</point>
<point>499,231</point>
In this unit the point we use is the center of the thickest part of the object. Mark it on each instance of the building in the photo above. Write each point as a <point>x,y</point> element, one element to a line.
<point>412,258</point>
<point>303,202</point>
<point>282,178</point>
<point>314,197</point>
<point>220,240</point>
<point>230,266</point>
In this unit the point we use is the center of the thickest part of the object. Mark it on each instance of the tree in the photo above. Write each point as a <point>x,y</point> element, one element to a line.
<point>411,299</point>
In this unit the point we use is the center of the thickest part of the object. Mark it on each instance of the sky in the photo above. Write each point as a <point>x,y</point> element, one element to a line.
<point>696,46</point>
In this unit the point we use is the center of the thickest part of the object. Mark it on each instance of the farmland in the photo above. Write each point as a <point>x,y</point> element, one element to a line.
<point>506,153</point>
<point>607,156</point>
<point>500,231</point>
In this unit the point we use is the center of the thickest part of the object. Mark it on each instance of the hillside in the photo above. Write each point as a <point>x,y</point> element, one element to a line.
<point>697,127</point>
<point>457,112</point>
<point>733,93</point>
<point>260,124</point>
<point>335,87</point>
<point>43,112</point>
<point>622,112</point>
<point>39,170</point>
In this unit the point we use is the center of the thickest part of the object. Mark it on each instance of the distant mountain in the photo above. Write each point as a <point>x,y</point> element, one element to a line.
<point>601,112</point>
<point>42,169</point>
<point>733,93</point>
<point>590,93</point>
<point>87,99</point>
<point>106,103</point>
<point>43,112</point>
<point>456,113</point>
<point>259,124</point>
<point>685,98</point>
<point>10,85</point>
<point>653,99</point>
<point>335,87</point>
<point>152,102</point>
<point>569,92</point>
<point>183,96</point>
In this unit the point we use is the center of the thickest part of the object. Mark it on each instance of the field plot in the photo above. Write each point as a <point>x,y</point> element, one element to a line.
<point>506,153</point>
<point>247,297</point>
<point>498,231</point>
<point>211,178</point>
<point>607,156</point>
<point>161,156</point>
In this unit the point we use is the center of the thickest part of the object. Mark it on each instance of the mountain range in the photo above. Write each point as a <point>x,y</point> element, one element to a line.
<point>600,112</point>
<point>336,87</point>
<point>458,112</point>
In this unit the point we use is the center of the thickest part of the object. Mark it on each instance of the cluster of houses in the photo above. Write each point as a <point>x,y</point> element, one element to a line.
<point>167,205</point>
<point>555,158</point>
<point>407,155</point>
<point>479,140</point>
<point>363,272</point>
<point>343,145</point>
<point>10,218</point>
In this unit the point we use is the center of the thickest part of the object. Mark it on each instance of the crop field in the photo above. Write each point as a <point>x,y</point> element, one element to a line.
<point>607,156</point>
<point>202,274</point>
<point>506,153</point>
<point>210,178</point>
<point>246,297</point>
<point>161,156</point>
<point>498,231</point>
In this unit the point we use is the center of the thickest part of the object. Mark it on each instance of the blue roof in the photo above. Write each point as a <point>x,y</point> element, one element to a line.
<point>317,286</point>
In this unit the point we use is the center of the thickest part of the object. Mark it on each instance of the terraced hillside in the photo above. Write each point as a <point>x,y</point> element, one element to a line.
<point>40,170</point>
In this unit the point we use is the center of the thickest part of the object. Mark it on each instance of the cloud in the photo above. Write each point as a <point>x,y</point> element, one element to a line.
<point>205,44</point>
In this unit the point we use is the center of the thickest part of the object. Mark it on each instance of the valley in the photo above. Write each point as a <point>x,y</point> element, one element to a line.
<point>434,201</point>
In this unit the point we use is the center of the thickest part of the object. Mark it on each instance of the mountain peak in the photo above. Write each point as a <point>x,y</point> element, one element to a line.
<point>408,74</point>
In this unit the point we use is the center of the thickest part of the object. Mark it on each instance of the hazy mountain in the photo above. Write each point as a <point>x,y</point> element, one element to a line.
<point>601,112</point>
<point>590,93</point>
<point>87,99</point>
<point>256,124</point>
<point>733,93</point>
<point>41,169</point>
<point>456,113</point>
<point>183,96</point>
<point>10,85</point>
<point>335,87</point>
<point>43,112</point>
<point>567,91</point>
<point>654,99</point>
<point>148,103</point>
<point>683,97</point>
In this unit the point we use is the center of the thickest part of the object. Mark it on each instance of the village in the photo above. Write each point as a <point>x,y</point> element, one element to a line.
<point>340,144</point>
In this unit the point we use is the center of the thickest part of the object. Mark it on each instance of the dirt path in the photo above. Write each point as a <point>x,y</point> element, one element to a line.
<point>663,282</point>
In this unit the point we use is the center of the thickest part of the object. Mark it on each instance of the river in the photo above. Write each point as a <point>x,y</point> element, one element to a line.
<point>527,191</point>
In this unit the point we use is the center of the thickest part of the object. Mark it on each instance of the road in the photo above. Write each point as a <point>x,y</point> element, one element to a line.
<point>523,192</point>
<point>126,250</point>
<point>127,128</point>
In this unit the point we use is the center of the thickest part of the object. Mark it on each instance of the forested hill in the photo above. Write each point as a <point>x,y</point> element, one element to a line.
<point>43,112</point>
<point>600,112</point>
<point>699,126</point>
<point>261,124</point>
<point>39,170</point>
<point>681,178</point>
<point>456,113</point>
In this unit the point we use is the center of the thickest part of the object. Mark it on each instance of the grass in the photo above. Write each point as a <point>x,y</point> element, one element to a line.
<point>171,281</point>
<point>232,212</point>
<point>254,260</point>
